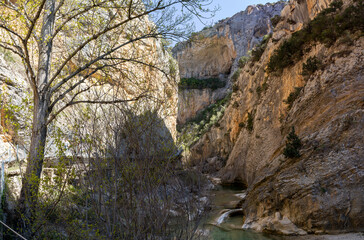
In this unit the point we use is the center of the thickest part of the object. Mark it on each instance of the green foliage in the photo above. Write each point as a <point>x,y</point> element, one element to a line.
<point>191,131</point>
<point>236,74</point>
<point>293,145</point>
<point>242,61</point>
<point>261,89</point>
<point>275,20</point>
<point>172,67</point>
<point>194,83</point>
<point>250,121</point>
<point>326,28</point>
<point>8,55</point>
<point>337,4</point>
<point>258,50</point>
<point>312,65</point>
<point>292,97</point>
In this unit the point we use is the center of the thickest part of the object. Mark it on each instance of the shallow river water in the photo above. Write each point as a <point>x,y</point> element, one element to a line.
<point>223,227</point>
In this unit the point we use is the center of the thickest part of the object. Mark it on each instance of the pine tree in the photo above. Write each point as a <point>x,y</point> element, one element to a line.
<point>293,145</point>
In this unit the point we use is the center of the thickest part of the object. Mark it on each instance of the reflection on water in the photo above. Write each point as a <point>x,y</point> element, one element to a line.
<point>219,234</point>
<point>224,199</point>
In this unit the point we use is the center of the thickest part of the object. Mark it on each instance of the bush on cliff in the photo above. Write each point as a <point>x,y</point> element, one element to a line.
<point>326,28</point>
<point>310,66</point>
<point>292,97</point>
<point>293,145</point>
<point>194,83</point>
<point>258,50</point>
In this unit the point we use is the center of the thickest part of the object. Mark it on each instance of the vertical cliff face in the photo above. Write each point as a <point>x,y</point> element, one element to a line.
<point>320,191</point>
<point>16,98</point>
<point>214,53</point>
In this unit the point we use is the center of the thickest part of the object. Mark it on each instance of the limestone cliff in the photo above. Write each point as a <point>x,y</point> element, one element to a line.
<point>16,98</point>
<point>320,191</point>
<point>215,51</point>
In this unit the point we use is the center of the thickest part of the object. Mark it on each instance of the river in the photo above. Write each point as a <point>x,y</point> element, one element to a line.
<point>225,222</point>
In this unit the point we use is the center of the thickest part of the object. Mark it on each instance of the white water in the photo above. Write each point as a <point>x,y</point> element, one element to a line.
<point>226,214</point>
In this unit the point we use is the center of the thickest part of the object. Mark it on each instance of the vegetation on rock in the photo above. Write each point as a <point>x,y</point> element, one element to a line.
<point>191,131</point>
<point>250,121</point>
<point>236,75</point>
<point>310,66</point>
<point>258,50</point>
<point>194,83</point>
<point>326,28</point>
<point>292,97</point>
<point>293,145</point>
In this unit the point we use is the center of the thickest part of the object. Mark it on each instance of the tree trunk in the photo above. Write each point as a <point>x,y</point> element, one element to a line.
<point>31,180</point>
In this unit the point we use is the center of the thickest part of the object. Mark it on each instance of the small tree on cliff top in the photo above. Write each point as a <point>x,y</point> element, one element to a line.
<point>69,48</point>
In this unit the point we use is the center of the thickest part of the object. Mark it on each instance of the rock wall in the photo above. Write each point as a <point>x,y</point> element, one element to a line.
<point>134,80</point>
<point>215,52</point>
<point>321,191</point>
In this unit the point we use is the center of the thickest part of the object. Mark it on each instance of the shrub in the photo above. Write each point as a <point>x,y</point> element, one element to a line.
<point>275,20</point>
<point>242,61</point>
<point>261,89</point>
<point>292,97</point>
<point>236,74</point>
<point>326,28</point>
<point>194,83</point>
<point>258,50</point>
<point>192,130</point>
<point>235,87</point>
<point>312,65</point>
<point>291,21</point>
<point>293,145</point>
<point>250,122</point>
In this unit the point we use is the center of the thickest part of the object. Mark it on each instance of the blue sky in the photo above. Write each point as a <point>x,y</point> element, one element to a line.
<point>227,9</point>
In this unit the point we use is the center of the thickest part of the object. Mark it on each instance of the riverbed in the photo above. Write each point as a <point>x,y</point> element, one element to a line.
<point>223,226</point>
<point>225,222</point>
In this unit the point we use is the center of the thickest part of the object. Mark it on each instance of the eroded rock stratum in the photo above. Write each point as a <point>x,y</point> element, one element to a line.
<point>322,190</point>
<point>215,52</point>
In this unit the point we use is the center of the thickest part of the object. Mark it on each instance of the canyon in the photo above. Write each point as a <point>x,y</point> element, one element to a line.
<point>320,191</point>
<point>288,133</point>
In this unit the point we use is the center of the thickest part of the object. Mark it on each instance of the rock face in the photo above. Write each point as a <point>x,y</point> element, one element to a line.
<point>191,101</point>
<point>215,52</point>
<point>216,49</point>
<point>321,191</point>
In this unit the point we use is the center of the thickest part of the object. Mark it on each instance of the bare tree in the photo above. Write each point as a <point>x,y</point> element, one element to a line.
<point>70,47</point>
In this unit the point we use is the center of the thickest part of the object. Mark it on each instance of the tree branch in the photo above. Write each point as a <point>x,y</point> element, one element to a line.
<point>96,36</point>
<point>72,102</point>
<point>84,67</point>
<point>61,96</point>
